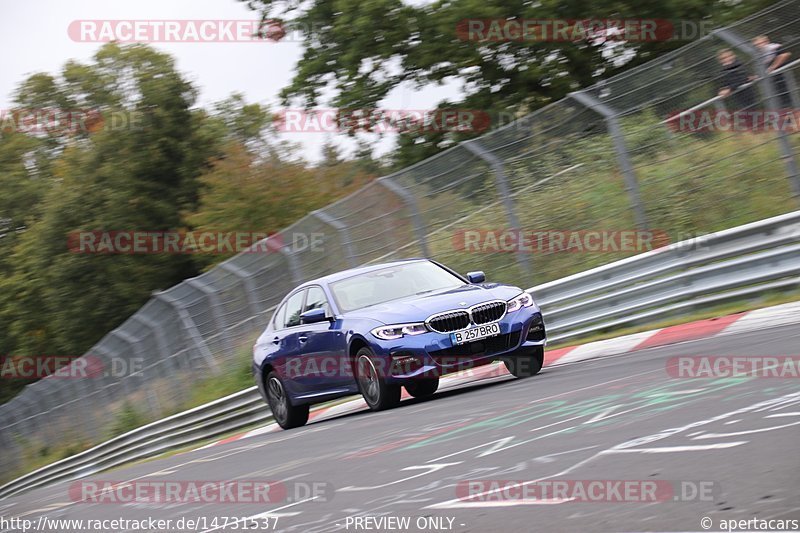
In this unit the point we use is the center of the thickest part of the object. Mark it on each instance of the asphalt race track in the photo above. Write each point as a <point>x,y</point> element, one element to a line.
<point>728,447</point>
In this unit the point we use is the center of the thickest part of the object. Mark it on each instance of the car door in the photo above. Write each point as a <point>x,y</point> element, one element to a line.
<point>323,348</point>
<point>286,338</point>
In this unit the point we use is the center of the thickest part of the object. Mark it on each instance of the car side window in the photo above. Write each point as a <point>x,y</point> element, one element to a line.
<point>278,319</point>
<point>294,306</point>
<point>316,300</point>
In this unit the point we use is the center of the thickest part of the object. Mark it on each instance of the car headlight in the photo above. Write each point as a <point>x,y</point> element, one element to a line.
<point>396,331</point>
<point>518,302</point>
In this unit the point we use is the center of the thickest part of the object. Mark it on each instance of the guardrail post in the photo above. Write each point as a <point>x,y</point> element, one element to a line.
<point>505,195</point>
<point>742,44</point>
<point>190,328</point>
<point>615,130</point>
<point>247,282</point>
<point>344,234</point>
<point>411,202</point>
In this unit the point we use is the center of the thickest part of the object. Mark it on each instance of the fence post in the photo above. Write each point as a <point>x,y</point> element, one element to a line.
<point>344,234</point>
<point>614,129</point>
<point>158,333</point>
<point>791,85</point>
<point>190,327</point>
<point>10,458</point>
<point>32,411</point>
<point>83,394</point>
<point>247,282</point>
<point>505,195</point>
<point>115,380</point>
<point>411,202</point>
<point>213,299</point>
<point>294,267</point>
<point>136,347</point>
<point>739,43</point>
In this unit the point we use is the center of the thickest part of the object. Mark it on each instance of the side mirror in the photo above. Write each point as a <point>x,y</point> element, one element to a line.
<point>312,316</point>
<point>476,277</point>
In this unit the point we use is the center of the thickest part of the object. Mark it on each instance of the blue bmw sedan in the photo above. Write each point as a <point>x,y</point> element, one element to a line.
<point>375,329</point>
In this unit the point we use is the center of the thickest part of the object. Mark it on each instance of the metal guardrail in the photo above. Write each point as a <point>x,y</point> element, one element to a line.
<point>729,264</point>
<point>699,272</point>
<point>237,411</point>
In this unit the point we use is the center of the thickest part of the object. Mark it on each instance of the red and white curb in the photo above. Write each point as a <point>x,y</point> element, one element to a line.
<point>758,319</point>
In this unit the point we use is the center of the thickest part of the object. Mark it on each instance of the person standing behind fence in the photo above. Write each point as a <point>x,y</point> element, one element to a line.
<point>734,76</point>
<point>774,56</point>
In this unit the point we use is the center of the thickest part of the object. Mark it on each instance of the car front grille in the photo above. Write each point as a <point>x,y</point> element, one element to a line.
<point>471,350</point>
<point>458,319</point>
<point>488,312</point>
<point>447,322</point>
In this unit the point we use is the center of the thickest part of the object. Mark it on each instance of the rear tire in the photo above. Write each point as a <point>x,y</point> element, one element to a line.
<point>420,388</point>
<point>378,394</point>
<point>525,363</point>
<point>287,416</point>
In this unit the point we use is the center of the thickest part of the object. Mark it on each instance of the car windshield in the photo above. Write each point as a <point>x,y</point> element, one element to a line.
<point>391,283</point>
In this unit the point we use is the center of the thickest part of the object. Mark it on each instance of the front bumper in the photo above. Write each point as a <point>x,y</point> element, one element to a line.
<point>433,354</point>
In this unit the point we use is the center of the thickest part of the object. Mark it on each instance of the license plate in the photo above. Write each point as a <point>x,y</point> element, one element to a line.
<point>476,333</point>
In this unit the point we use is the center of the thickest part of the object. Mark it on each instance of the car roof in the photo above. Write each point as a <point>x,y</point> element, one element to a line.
<point>330,278</point>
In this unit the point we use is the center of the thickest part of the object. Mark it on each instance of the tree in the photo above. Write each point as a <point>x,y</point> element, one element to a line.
<point>359,50</point>
<point>135,169</point>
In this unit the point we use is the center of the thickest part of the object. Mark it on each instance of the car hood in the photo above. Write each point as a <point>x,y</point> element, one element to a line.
<point>418,308</point>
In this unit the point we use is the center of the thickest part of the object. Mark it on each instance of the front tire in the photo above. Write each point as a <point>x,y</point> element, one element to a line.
<point>526,362</point>
<point>420,388</point>
<point>378,394</point>
<point>287,416</point>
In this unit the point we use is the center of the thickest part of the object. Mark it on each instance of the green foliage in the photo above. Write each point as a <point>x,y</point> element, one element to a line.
<point>237,376</point>
<point>132,178</point>
<point>149,160</point>
<point>127,419</point>
<point>360,50</point>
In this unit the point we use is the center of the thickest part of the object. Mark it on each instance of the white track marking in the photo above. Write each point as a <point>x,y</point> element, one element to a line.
<point>429,470</point>
<point>673,449</point>
<point>458,503</point>
<point>745,432</point>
